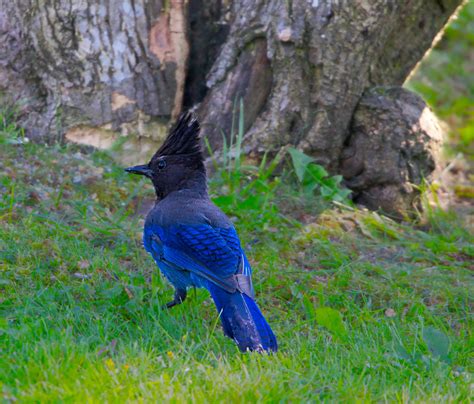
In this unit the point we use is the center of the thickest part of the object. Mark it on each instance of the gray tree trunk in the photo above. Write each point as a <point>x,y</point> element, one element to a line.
<point>88,69</point>
<point>302,66</point>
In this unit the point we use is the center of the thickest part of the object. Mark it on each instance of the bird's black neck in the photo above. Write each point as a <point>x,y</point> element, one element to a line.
<point>194,185</point>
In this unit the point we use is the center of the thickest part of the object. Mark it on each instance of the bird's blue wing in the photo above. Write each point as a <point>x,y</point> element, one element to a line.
<point>211,253</point>
<point>233,242</point>
<point>205,245</point>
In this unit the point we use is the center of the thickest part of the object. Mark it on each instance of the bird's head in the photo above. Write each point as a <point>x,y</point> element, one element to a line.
<point>179,163</point>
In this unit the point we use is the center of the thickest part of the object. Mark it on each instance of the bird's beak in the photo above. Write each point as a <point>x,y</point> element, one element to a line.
<point>142,170</point>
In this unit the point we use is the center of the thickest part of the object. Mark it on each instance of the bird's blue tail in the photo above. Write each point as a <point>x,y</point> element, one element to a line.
<point>243,321</point>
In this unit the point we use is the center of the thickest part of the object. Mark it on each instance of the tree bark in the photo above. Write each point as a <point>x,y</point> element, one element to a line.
<point>302,66</point>
<point>91,70</point>
<point>86,68</point>
<point>394,146</point>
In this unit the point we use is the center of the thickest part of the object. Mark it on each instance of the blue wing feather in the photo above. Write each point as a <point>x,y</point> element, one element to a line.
<point>212,253</point>
<point>205,244</point>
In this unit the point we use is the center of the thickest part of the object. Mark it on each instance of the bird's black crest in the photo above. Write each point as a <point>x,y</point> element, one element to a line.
<point>183,138</point>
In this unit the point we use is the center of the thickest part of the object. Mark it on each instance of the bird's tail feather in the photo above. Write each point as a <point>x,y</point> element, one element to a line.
<point>243,321</point>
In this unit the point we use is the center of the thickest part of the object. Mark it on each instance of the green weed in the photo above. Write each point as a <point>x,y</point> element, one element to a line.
<point>245,191</point>
<point>445,79</point>
<point>10,132</point>
<point>314,178</point>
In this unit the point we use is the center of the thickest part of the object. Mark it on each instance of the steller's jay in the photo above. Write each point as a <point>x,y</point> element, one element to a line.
<point>194,243</point>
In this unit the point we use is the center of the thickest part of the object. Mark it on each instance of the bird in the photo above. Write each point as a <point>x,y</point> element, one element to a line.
<point>194,243</point>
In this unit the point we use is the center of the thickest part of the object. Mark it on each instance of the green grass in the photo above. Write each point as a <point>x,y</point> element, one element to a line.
<point>445,79</point>
<point>364,309</point>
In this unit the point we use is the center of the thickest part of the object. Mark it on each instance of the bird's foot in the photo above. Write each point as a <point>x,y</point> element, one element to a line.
<point>179,297</point>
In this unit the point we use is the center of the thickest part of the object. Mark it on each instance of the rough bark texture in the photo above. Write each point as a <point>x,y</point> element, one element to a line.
<point>208,27</point>
<point>85,68</point>
<point>321,56</point>
<point>394,146</point>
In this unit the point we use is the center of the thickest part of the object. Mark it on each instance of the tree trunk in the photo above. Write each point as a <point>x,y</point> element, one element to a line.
<point>302,66</point>
<point>86,68</point>
<point>92,70</point>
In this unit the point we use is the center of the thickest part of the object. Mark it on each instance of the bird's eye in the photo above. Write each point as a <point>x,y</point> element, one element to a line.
<point>161,164</point>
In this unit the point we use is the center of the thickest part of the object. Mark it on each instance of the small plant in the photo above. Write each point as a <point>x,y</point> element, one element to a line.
<point>10,132</point>
<point>313,177</point>
<point>245,190</point>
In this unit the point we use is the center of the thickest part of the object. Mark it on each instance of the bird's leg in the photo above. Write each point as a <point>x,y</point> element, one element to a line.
<point>179,297</point>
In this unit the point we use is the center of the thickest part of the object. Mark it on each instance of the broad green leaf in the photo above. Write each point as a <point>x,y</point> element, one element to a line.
<point>309,188</point>
<point>437,342</point>
<point>3,323</point>
<point>300,162</point>
<point>400,352</point>
<point>113,292</point>
<point>332,320</point>
<point>315,173</point>
<point>224,200</point>
<point>327,192</point>
<point>253,202</point>
<point>333,182</point>
<point>309,308</point>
